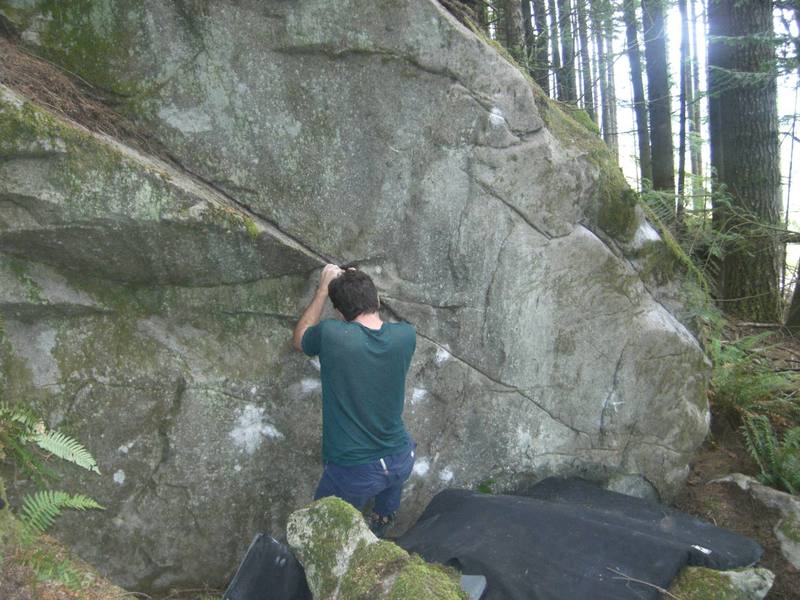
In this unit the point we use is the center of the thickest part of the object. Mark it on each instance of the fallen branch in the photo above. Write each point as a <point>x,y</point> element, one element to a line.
<point>647,583</point>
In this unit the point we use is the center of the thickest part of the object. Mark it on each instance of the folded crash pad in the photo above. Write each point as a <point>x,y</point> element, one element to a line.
<point>570,540</point>
<point>269,571</point>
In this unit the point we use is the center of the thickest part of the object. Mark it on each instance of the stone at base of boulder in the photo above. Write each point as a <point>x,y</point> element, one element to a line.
<point>787,530</point>
<point>697,583</point>
<point>633,485</point>
<point>342,559</point>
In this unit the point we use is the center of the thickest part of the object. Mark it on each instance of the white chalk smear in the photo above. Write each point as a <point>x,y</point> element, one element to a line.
<point>446,475</point>
<point>442,354</point>
<point>496,116</point>
<point>418,394</point>
<point>119,477</point>
<point>421,467</point>
<point>251,428</point>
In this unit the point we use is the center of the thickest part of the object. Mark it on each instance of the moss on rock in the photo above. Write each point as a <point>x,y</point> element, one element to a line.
<point>370,567</point>
<point>697,583</point>
<point>790,527</point>
<point>342,559</point>
<point>324,536</point>
<point>10,529</point>
<point>419,579</point>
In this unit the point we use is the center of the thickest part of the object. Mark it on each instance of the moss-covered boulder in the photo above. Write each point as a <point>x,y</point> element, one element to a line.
<point>344,560</point>
<point>697,583</point>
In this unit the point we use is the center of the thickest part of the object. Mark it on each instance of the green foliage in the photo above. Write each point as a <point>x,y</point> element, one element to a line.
<point>487,486</point>
<point>745,381</point>
<point>779,462</point>
<point>40,510</point>
<point>66,448</point>
<point>22,431</point>
<point>18,426</point>
<point>50,567</point>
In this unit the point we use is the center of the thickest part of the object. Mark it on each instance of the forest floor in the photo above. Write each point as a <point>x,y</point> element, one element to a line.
<point>724,453</point>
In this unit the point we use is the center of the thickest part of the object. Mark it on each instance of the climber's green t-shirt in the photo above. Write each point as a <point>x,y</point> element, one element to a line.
<point>363,388</point>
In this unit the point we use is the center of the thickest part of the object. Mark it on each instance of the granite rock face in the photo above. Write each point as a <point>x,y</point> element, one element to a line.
<point>149,305</point>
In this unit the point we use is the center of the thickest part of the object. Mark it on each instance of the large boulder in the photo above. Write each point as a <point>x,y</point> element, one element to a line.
<point>149,303</point>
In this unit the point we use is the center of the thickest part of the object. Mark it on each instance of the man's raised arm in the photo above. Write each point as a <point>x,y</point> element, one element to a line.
<point>312,314</point>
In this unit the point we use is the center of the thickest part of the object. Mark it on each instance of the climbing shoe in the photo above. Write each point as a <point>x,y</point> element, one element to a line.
<point>380,524</point>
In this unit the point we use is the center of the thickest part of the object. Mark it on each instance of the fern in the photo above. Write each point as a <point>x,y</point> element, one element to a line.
<point>66,448</point>
<point>40,510</point>
<point>21,430</point>
<point>760,441</point>
<point>779,462</point>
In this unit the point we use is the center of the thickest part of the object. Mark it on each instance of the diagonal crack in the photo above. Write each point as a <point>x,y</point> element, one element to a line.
<point>493,193</point>
<point>509,387</point>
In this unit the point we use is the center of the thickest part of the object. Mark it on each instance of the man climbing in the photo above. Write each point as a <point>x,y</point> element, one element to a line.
<point>364,361</point>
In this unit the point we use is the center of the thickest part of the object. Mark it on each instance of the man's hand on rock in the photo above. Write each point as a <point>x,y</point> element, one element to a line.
<point>329,273</point>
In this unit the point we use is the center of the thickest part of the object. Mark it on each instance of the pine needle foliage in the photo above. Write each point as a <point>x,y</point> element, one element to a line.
<point>40,510</point>
<point>779,462</point>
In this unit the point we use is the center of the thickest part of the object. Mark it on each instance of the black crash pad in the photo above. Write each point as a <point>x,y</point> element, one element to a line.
<point>570,540</point>
<point>269,571</point>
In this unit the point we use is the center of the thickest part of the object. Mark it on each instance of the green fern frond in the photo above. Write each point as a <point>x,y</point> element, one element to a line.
<point>67,448</point>
<point>21,415</point>
<point>40,510</point>
<point>779,462</point>
<point>759,439</point>
<point>28,462</point>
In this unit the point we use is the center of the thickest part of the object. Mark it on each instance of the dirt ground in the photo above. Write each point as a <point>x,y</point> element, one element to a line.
<point>727,506</point>
<point>46,571</point>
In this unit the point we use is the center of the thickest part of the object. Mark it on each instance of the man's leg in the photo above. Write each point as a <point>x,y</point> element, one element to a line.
<point>337,481</point>
<point>388,501</point>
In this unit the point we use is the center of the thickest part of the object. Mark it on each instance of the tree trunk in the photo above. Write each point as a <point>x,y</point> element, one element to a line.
<point>793,316</point>
<point>586,65</point>
<point>528,40</point>
<point>695,135</point>
<point>639,103</point>
<point>608,35</point>
<point>567,50</point>
<point>558,77</point>
<point>684,77</point>
<point>745,154</point>
<point>658,94</point>
<point>541,61</point>
<point>478,10</point>
<point>514,31</point>
<point>595,8</point>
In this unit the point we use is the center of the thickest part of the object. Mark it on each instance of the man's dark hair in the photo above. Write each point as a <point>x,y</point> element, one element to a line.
<point>353,293</point>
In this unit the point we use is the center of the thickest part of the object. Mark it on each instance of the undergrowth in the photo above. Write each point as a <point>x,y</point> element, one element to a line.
<point>779,462</point>
<point>27,443</point>
<point>749,388</point>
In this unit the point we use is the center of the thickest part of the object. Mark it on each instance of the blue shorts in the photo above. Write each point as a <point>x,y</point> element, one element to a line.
<point>382,479</point>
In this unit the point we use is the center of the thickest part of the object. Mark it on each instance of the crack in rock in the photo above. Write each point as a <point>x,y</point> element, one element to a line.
<point>510,388</point>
